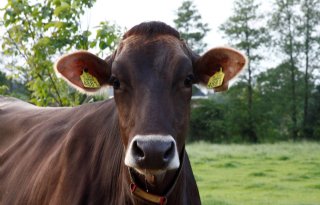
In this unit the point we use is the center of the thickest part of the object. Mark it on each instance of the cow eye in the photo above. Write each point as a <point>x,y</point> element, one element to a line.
<point>189,81</point>
<point>115,82</point>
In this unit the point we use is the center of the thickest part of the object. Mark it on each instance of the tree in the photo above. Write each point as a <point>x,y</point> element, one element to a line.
<point>242,31</point>
<point>3,84</point>
<point>12,88</point>
<point>36,32</point>
<point>208,121</point>
<point>314,117</point>
<point>188,23</point>
<point>309,29</point>
<point>236,114</point>
<point>273,99</point>
<point>285,22</point>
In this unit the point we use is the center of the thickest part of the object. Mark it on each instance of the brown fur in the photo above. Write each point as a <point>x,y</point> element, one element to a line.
<point>151,29</point>
<point>75,156</point>
<point>68,156</point>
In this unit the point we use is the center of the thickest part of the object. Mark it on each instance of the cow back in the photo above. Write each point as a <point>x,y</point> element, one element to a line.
<point>59,155</point>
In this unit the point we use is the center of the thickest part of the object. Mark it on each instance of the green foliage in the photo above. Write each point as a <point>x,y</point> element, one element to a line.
<point>3,89</point>
<point>207,121</point>
<point>313,120</point>
<point>309,28</point>
<point>221,118</point>
<point>297,37</point>
<point>284,21</point>
<point>274,102</point>
<point>36,33</point>
<point>224,117</point>
<point>282,173</point>
<point>3,84</point>
<point>245,29</point>
<point>242,31</point>
<point>279,103</point>
<point>12,88</point>
<point>188,23</point>
<point>238,118</point>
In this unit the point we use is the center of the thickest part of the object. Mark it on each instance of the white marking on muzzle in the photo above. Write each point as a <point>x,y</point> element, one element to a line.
<point>131,162</point>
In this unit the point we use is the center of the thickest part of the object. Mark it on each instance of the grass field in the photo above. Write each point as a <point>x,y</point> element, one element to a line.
<point>273,174</point>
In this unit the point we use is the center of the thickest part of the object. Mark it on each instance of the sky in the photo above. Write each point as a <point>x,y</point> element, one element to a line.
<point>127,14</point>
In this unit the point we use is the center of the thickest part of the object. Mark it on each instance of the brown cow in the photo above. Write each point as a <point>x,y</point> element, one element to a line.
<point>126,150</point>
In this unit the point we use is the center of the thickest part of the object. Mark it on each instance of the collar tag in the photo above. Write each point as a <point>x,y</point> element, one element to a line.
<point>136,191</point>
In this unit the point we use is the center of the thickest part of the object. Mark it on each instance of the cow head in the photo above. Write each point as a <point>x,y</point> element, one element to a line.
<point>152,73</point>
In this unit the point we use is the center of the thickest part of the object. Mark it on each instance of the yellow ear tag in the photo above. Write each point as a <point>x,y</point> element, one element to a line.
<point>89,81</point>
<point>216,80</point>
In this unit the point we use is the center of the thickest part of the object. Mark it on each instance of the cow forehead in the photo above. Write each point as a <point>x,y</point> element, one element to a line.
<point>157,44</point>
<point>163,54</point>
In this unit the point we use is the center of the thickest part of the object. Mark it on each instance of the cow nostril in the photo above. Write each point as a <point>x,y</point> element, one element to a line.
<point>169,152</point>
<point>137,151</point>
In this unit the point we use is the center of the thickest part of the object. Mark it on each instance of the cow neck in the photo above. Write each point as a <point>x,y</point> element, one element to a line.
<point>145,195</point>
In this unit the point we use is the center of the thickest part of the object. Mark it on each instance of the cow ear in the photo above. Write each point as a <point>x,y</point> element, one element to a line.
<point>84,71</point>
<point>218,66</point>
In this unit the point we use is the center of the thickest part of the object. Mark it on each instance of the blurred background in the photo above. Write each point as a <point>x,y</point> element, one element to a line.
<point>267,123</point>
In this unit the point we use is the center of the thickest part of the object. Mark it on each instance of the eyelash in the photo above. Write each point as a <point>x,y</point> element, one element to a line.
<point>189,81</point>
<point>115,82</point>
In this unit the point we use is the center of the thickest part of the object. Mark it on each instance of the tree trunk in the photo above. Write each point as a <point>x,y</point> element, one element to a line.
<point>294,130</point>
<point>306,75</point>
<point>251,128</point>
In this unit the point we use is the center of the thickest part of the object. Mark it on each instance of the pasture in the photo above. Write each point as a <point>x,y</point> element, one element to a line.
<point>267,174</point>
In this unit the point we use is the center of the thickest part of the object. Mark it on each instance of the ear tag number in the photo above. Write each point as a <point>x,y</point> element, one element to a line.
<point>88,80</point>
<point>216,80</point>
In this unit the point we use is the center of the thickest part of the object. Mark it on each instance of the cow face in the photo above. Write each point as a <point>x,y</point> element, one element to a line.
<point>152,75</point>
<point>152,79</point>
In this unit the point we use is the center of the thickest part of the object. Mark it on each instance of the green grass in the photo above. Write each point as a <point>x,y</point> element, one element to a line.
<point>268,174</point>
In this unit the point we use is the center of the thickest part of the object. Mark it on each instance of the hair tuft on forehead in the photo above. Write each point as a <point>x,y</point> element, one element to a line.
<point>152,28</point>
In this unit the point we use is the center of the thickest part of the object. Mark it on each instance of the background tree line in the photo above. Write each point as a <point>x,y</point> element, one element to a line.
<point>266,104</point>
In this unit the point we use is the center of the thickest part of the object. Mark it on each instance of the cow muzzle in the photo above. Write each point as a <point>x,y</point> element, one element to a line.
<point>152,153</point>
